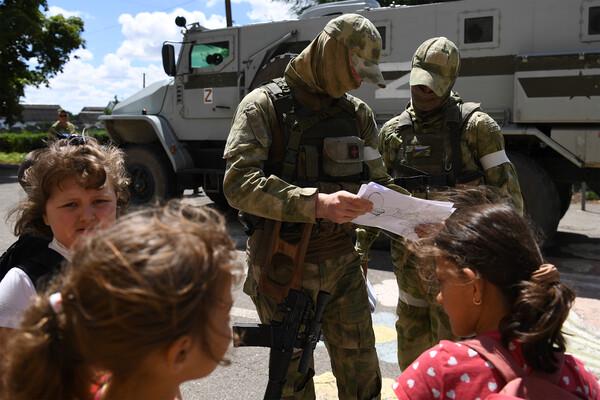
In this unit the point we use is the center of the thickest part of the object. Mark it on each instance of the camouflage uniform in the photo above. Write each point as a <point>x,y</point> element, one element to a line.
<point>318,82</point>
<point>423,140</point>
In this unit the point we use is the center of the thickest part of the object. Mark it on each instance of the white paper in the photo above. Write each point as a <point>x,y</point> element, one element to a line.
<point>398,213</point>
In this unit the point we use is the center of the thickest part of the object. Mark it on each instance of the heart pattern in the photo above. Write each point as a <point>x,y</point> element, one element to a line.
<point>410,383</point>
<point>511,346</point>
<point>451,394</point>
<point>465,378</point>
<point>435,392</point>
<point>415,365</point>
<point>432,353</point>
<point>472,353</point>
<point>492,386</point>
<point>566,380</point>
<point>452,361</point>
<point>431,371</point>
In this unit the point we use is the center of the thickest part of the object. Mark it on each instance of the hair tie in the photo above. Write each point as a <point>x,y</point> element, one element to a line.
<point>546,274</point>
<point>55,300</point>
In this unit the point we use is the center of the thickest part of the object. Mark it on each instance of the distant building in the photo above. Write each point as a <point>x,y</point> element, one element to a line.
<point>88,116</point>
<point>39,113</point>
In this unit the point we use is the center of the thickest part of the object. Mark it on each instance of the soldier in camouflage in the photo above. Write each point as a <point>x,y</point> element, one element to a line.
<point>297,152</point>
<point>62,125</point>
<point>437,142</point>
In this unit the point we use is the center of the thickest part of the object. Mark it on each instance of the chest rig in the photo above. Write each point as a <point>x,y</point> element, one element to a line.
<point>315,149</point>
<point>432,157</point>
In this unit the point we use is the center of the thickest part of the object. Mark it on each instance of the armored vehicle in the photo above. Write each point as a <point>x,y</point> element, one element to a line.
<point>533,64</point>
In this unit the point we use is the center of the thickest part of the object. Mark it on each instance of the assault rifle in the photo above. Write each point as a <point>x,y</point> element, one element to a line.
<point>300,327</point>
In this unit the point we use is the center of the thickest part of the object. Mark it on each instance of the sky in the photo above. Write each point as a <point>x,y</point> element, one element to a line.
<point>123,42</point>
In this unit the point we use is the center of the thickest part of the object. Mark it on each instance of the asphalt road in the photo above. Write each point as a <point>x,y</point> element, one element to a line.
<point>575,250</point>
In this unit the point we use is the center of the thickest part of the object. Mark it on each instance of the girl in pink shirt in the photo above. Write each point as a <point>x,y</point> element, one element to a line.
<point>493,282</point>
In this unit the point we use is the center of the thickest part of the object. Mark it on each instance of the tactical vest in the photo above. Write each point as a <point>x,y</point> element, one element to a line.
<point>315,149</point>
<point>433,159</point>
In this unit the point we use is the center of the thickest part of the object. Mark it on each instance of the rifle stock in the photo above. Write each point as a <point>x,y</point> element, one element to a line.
<point>277,246</point>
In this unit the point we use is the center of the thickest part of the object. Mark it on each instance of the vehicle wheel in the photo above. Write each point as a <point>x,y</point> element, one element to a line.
<point>565,191</point>
<point>151,174</point>
<point>540,196</point>
<point>595,186</point>
<point>274,68</point>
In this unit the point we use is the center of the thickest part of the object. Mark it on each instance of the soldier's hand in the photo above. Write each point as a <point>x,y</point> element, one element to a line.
<point>341,207</point>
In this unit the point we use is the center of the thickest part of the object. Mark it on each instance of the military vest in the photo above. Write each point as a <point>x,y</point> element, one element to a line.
<point>315,149</point>
<point>433,158</point>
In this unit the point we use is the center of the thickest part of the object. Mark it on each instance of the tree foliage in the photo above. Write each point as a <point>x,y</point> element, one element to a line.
<point>33,49</point>
<point>300,5</point>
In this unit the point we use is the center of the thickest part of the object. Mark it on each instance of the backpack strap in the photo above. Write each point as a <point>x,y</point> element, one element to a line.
<point>534,385</point>
<point>497,355</point>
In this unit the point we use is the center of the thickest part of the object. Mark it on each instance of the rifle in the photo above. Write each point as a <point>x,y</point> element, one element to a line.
<point>300,327</point>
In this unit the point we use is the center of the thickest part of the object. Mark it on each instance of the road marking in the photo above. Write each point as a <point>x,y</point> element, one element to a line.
<point>244,313</point>
<point>387,292</point>
<point>326,387</point>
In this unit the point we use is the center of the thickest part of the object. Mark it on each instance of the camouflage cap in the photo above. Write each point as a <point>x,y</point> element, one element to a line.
<point>435,65</point>
<point>359,35</point>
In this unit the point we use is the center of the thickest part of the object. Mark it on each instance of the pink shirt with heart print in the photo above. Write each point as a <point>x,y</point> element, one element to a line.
<point>451,370</point>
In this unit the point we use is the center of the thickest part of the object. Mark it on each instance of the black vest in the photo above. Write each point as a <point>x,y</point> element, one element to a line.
<point>433,159</point>
<point>33,256</point>
<point>298,154</point>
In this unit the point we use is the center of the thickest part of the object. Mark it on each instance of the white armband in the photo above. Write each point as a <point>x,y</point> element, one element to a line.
<point>493,159</point>
<point>371,153</point>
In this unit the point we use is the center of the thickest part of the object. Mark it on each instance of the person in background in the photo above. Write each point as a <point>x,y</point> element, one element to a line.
<point>145,301</point>
<point>72,187</point>
<point>62,125</point>
<point>495,285</point>
<point>438,142</point>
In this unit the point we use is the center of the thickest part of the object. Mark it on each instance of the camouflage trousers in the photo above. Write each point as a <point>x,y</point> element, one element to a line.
<point>347,327</point>
<point>421,322</point>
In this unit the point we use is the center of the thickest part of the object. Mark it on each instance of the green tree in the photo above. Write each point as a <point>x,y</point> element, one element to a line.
<point>300,5</point>
<point>33,49</point>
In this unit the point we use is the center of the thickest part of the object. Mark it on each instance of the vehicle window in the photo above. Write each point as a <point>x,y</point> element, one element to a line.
<point>479,29</point>
<point>594,21</point>
<point>381,30</point>
<point>208,55</point>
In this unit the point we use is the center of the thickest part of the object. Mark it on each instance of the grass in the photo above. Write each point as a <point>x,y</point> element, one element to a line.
<point>11,158</point>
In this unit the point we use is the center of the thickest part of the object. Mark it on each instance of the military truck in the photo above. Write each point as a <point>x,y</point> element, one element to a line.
<point>533,64</point>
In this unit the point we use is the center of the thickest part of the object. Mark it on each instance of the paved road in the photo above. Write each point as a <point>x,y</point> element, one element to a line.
<point>576,251</point>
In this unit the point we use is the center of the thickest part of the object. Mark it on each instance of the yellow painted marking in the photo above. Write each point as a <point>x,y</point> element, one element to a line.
<point>384,334</point>
<point>326,389</point>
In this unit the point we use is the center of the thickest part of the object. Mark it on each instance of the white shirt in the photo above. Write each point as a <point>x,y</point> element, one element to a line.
<point>17,291</point>
<point>16,294</point>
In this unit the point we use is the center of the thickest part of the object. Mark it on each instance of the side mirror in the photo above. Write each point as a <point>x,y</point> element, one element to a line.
<point>168,59</point>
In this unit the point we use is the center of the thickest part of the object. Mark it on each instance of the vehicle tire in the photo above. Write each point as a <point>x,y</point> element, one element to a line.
<point>565,192</point>
<point>595,186</point>
<point>274,68</point>
<point>151,174</point>
<point>540,195</point>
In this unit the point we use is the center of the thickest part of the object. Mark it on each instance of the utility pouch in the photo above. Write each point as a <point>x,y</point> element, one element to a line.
<point>343,156</point>
<point>283,261</point>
